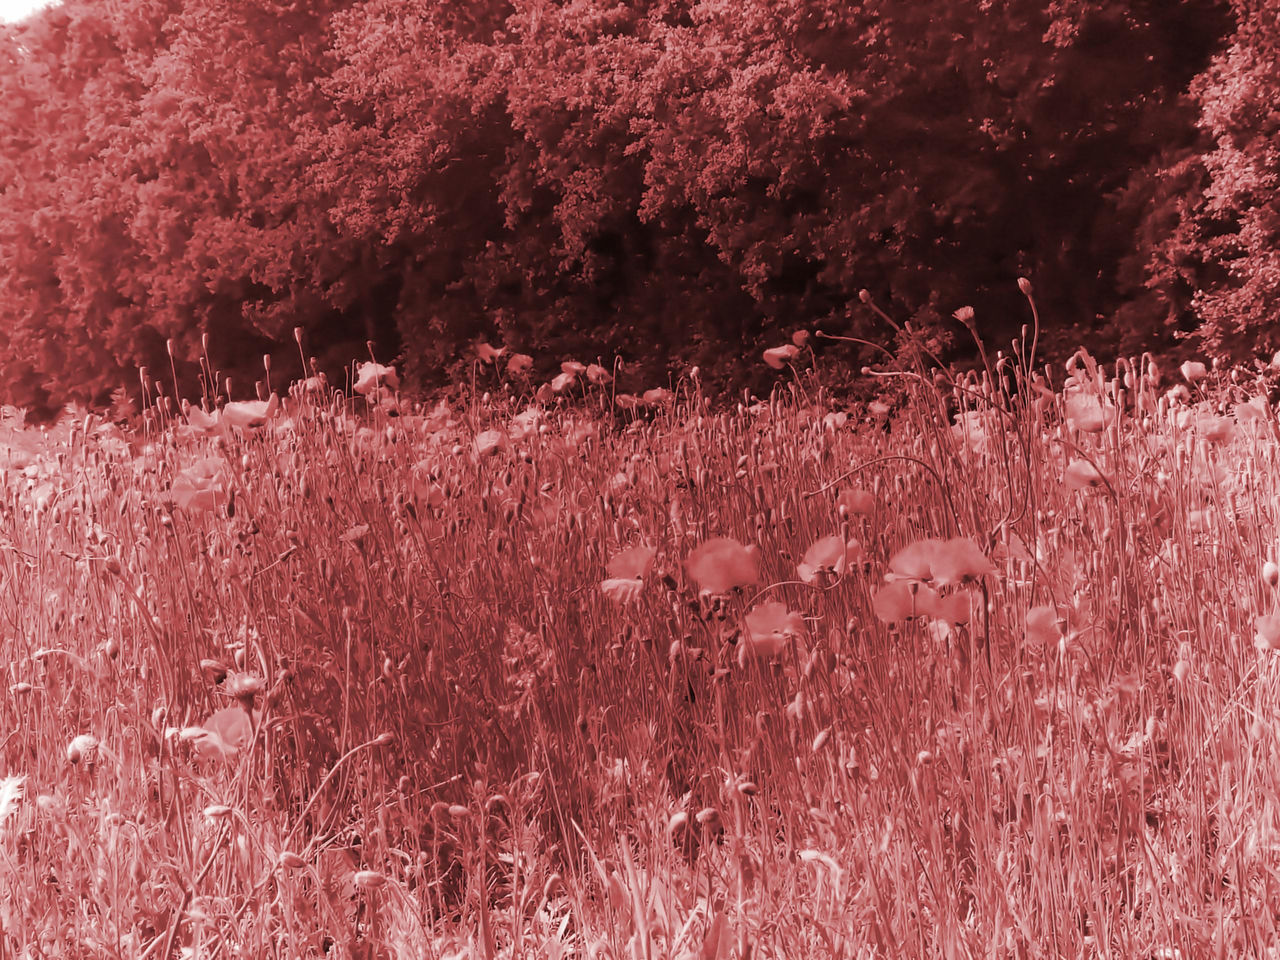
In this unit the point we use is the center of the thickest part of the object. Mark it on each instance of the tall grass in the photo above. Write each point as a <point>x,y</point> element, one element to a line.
<point>348,684</point>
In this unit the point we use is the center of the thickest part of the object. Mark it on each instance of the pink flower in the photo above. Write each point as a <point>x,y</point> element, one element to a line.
<point>632,563</point>
<point>857,502</point>
<point>777,357</point>
<point>958,560</point>
<point>519,364</point>
<point>831,554</point>
<point>371,375</point>
<point>721,564</point>
<point>226,733</point>
<point>902,600</point>
<point>768,627</point>
<point>1042,626</point>
<point>1082,475</point>
<point>199,486</point>
<point>488,354</point>
<point>249,413</point>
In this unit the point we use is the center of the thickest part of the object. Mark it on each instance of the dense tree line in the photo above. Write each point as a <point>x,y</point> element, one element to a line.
<point>671,181</point>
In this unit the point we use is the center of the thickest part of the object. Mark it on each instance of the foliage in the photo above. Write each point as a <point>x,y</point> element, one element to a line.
<point>655,180</point>
<point>1223,253</point>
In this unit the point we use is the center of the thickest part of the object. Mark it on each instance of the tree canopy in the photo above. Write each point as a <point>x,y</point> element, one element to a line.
<point>669,182</point>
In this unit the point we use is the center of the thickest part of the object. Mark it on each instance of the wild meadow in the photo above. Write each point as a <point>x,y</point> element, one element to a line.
<point>985,667</point>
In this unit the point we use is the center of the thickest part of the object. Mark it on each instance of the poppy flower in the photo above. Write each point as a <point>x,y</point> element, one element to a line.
<point>656,396</point>
<point>768,628</point>
<point>721,564</point>
<point>1042,626</point>
<point>1251,410</point>
<point>1082,475</point>
<point>488,354</point>
<point>198,486</point>
<point>1268,632</point>
<point>201,421</point>
<point>956,608</point>
<point>370,376</point>
<point>622,589</point>
<point>489,442</point>
<point>1087,413</point>
<point>800,338</point>
<point>1193,371</point>
<point>958,560</point>
<point>249,413</point>
<point>914,561</point>
<point>857,502</point>
<point>598,374</point>
<point>572,367</point>
<point>632,563</point>
<point>831,554</point>
<point>562,381</point>
<point>225,734</point>
<point>1215,429</point>
<point>902,600</point>
<point>777,357</point>
<point>518,364</point>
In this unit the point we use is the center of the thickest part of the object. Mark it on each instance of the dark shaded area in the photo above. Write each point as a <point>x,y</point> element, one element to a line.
<point>659,181</point>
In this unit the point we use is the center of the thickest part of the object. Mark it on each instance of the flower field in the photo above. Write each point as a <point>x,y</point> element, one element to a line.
<point>986,668</point>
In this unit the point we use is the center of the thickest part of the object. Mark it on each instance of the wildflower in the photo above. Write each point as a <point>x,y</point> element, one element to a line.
<point>902,600</point>
<point>632,563</point>
<point>857,502</point>
<point>914,561</point>
<point>964,315</point>
<point>562,380</point>
<point>656,396</point>
<point>1082,475</point>
<point>243,687</point>
<point>249,413</point>
<point>956,608</point>
<point>777,357</point>
<point>1215,429</point>
<point>958,560</point>
<point>370,376</point>
<point>1255,409</point>
<point>572,367</point>
<point>224,734</point>
<point>598,374</point>
<point>1042,626</point>
<point>1193,371</point>
<point>1268,632</point>
<point>834,421</point>
<point>769,626</point>
<point>198,486</point>
<point>519,364</point>
<point>201,421</point>
<point>369,880</point>
<point>488,354</point>
<point>10,795</point>
<point>489,442</point>
<point>1270,574</point>
<point>721,564</point>
<point>831,554</point>
<point>1087,413</point>
<point>82,747</point>
<point>800,338</point>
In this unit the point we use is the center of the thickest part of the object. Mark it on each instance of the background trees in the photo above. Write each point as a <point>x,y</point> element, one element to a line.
<point>670,182</point>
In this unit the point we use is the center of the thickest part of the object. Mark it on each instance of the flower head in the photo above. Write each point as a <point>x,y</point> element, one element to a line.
<point>768,627</point>
<point>370,376</point>
<point>722,563</point>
